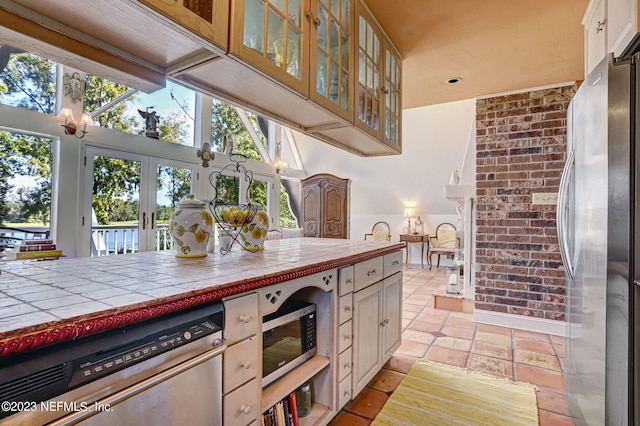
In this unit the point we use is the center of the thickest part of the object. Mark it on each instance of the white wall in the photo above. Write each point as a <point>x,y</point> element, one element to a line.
<point>435,142</point>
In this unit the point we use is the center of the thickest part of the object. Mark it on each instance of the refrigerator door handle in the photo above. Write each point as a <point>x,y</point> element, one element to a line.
<point>562,214</point>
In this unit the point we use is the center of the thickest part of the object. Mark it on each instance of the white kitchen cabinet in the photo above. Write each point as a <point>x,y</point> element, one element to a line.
<point>241,361</point>
<point>609,27</point>
<point>595,35</point>
<point>377,311</point>
<point>621,23</point>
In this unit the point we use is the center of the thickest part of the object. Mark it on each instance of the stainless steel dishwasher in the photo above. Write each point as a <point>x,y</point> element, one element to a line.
<point>164,371</point>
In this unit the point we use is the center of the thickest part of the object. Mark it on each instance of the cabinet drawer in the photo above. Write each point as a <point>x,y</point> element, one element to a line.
<point>240,318</point>
<point>344,364</point>
<point>346,280</point>
<point>240,364</point>
<point>240,407</point>
<point>368,272</point>
<point>392,263</point>
<point>344,391</point>
<point>345,308</point>
<point>345,334</point>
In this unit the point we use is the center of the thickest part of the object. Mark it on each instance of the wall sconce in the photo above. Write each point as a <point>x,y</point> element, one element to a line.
<point>205,154</point>
<point>281,166</point>
<point>70,127</point>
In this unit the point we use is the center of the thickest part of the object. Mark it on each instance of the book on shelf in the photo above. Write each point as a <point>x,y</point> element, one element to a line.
<point>36,242</point>
<point>283,413</point>
<point>35,247</point>
<point>13,254</point>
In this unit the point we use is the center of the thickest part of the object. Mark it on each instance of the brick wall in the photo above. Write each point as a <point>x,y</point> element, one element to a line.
<point>521,147</point>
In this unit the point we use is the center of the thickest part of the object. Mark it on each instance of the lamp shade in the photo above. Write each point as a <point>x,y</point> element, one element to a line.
<point>408,212</point>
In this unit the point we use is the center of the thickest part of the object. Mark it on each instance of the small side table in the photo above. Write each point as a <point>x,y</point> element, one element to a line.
<point>415,238</point>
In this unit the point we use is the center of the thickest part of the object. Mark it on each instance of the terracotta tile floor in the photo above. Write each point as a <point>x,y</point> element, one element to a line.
<point>452,338</point>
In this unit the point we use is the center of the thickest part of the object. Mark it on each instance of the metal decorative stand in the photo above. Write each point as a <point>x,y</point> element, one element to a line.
<point>232,217</point>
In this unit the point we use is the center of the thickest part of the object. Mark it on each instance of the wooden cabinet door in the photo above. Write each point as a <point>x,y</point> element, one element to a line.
<point>331,56</point>
<point>325,206</point>
<point>208,19</point>
<point>334,223</point>
<point>311,203</point>
<point>391,315</point>
<point>368,82</point>
<point>367,360</point>
<point>392,94</point>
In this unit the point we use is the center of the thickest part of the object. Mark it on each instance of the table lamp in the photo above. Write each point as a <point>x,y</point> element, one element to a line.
<point>409,213</point>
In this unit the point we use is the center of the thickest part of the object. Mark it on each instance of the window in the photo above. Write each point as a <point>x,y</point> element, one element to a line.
<point>27,80</point>
<point>117,107</point>
<point>25,181</point>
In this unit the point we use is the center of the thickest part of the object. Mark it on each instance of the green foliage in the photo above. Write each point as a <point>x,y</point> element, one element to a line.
<point>29,81</point>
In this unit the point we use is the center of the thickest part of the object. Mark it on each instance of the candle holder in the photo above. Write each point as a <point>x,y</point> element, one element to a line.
<point>453,280</point>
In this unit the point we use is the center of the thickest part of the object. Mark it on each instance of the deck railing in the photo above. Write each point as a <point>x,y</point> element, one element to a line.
<point>108,240</point>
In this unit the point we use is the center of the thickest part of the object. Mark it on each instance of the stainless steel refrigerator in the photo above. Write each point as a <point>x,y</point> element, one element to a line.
<point>597,224</point>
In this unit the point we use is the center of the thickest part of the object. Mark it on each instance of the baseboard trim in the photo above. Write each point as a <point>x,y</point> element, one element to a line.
<point>520,322</point>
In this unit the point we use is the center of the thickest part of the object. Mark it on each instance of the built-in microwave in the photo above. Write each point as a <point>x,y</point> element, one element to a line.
<point>288,339</point>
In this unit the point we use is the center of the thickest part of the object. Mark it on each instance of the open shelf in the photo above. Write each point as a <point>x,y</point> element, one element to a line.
<point>291,381</point>
<point>318,411</point>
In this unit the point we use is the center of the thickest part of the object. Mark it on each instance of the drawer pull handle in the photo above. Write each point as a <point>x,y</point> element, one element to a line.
<point>349,281</point>
<point>245,364</point>
<point>347,308</point>
<point>245,409</point>
<point>395,262</point>
<point>347,337</point>
<point>373,271</point>
<point>347,365</point>
<point>382,323</point>
<point>347,393</point>
<point>245,319</point>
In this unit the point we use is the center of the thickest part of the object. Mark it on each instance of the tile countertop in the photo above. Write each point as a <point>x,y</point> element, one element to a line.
<point>44,302</point>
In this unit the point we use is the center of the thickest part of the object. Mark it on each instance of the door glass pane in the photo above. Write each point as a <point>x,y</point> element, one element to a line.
<point>323,28</point>
<point>295,12</point>
<point>321,78</point>
<point>173,184</point>
<point>361,102</point>
<point>344,53</point>
<point>335,39</point>
<point>227,189</point>
<point>254,25</point>
<point>115,204</point>
<point>278,4</point>
<point>333,81</point>
<point>293,52</point>
<point>25,182</point>
<point>345,12</point>
<point>258,192</point>
<point>344,91</point>
<point>275,32</point>
<point>362,68</point>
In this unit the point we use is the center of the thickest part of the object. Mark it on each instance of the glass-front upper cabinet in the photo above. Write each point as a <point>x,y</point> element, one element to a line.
<point>378,84</point>
<point>369,67</point>
<point>272,35</point>
<point>207,18</point>
<point>392,91</point>
<point>331,56</point>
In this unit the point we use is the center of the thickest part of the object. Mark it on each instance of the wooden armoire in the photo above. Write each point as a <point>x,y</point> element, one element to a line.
<point>325,206</point>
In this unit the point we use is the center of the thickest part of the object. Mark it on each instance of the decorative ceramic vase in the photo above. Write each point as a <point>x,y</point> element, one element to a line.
<point>190,227</point>
<point>252,235</point>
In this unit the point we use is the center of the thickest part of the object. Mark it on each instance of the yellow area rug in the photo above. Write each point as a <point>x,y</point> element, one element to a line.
<point>437,394</point>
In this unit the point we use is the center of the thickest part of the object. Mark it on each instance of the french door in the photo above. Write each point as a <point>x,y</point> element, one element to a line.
<point>129,200</point>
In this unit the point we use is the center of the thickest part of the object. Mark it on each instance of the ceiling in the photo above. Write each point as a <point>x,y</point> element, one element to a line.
<point>494,46</point>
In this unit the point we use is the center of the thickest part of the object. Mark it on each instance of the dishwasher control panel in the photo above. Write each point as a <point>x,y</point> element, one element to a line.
<point>96,366</point>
